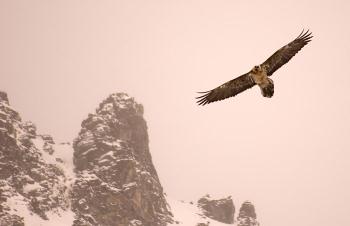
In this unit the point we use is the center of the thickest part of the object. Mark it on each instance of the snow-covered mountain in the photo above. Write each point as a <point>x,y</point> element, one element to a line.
<point>35,173</point>
<point>104,177</point>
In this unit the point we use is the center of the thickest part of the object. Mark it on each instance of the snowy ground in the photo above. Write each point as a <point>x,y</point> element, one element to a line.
<point>63,158</point>
<point>19,207</point>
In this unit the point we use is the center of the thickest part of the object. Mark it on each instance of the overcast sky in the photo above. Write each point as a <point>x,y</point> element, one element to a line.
<point>289,154</point>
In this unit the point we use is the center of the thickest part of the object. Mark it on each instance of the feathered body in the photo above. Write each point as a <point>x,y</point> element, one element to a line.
<point>259,75</point>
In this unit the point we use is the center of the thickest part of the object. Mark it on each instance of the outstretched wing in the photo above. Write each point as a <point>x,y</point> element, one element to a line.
<point>226,90</point>
<point>284,54</point>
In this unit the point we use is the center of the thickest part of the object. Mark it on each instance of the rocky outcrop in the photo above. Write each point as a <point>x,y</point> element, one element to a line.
<point>28,182</point>
<point>221,210</point>
<point>117,183</point>
<point>3,98</point>
<point>212,212</point>
<point>247,215</point>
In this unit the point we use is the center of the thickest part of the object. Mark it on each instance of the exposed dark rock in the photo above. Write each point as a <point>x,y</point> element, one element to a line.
<point>30,129</point>
<point>221,210</point>
<point>247,215</point>
<point>10,220</point>
<point>48,139</point>
<point>203,224</point>
<point>3,97</point>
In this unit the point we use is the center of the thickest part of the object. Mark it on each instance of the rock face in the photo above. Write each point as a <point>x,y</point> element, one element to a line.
<point>117,183</point>
<point>29,183</point>
<point>3,98</point>
<point>247,215</point>
<point>221,210</point>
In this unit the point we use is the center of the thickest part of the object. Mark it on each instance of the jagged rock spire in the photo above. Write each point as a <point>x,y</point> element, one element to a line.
<point>3,97</point>
<point>116,179</point>
<point>247,215</point>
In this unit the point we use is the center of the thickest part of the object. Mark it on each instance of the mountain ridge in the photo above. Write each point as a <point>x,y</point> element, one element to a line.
<point>105,177</point>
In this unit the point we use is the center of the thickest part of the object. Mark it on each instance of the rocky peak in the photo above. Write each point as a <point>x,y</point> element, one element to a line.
<point>32,184</point>
<point>10,123</point>
<point>247,215</point>
<point>3,97</point>
<point>221,210</point>
<point>116,179</point>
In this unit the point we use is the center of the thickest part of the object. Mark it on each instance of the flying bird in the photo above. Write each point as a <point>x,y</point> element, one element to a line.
<point>259,75</point>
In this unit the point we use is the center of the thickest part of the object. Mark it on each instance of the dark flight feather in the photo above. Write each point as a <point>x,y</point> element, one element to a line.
<point>284,54</point>
<point>226,90</point>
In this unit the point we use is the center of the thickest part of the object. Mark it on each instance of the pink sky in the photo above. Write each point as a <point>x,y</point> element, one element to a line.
<point>289,154</point>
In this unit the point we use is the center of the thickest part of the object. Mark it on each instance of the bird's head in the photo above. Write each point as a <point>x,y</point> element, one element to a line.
<point>256,69</point>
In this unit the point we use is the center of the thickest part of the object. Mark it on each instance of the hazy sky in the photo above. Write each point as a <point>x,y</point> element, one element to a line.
<point>289,154</point>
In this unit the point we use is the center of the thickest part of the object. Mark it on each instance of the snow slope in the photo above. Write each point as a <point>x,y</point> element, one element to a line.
<point>62,157</point>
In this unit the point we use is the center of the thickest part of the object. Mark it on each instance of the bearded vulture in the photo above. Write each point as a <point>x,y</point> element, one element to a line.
<point>258,75</point>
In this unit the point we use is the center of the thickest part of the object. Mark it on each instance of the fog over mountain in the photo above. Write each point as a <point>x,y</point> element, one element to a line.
<point>104,177</point>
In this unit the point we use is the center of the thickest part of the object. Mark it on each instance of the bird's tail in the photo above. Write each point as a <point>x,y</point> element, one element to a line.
<point>267,89</point>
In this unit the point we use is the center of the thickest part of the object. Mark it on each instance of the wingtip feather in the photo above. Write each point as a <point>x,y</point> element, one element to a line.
<point>300,33</point>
